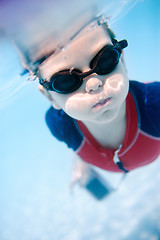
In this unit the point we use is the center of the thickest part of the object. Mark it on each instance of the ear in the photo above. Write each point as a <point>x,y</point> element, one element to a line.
<point>48,96</point>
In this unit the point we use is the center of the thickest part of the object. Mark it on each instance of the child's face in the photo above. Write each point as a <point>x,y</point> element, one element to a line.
<point>100,97</point>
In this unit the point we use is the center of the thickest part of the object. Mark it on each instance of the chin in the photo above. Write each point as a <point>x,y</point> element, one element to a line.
<point>107,116</point>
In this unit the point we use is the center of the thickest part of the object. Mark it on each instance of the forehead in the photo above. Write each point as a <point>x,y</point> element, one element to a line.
<point>78,53</point>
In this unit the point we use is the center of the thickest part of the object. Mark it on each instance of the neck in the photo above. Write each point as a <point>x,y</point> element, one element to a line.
<point>110,134</point>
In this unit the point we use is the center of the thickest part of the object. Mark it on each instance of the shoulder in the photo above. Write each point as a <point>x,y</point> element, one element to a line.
<point>63,127</point>
<point>54,119</point>
<point>147,99</point>
<point>145,88</point>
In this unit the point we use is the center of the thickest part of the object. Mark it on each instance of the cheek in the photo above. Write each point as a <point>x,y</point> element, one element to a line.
<point>117,83</point>
<point>77,105</point>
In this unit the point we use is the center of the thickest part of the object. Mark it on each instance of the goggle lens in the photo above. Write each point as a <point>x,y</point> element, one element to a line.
<point>107,62</point>
<point>65,83</point>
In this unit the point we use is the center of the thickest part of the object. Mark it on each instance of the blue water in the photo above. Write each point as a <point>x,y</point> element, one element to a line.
<point>35,202</point>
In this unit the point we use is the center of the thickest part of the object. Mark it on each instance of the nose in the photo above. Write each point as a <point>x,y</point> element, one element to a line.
<point>93,84</point>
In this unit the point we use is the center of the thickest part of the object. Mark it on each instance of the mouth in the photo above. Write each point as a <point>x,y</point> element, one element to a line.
<point>101,103</point>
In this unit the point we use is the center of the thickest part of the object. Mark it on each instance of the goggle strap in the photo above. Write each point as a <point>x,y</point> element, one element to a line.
<point>47,85</point>
<point>123,43</point>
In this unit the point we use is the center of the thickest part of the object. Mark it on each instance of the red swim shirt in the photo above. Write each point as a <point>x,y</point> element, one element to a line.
<point>141,145</point>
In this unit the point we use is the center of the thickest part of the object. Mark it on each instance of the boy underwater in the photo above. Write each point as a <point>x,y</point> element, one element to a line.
<point>108,121</point>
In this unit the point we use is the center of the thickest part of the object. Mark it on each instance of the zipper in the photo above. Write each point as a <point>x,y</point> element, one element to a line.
<point>117,161</point>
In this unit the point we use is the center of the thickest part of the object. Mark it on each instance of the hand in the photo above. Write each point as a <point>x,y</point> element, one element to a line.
<point>79,173</point>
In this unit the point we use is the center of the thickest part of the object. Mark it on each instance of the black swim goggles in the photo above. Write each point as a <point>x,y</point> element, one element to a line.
<point>104,62</point>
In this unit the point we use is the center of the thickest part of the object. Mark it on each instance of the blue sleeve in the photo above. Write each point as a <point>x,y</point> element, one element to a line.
<point>147,99</point>
<point>64,128</point>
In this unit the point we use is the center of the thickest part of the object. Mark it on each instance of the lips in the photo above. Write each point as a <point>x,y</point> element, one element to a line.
<point>101,102</point>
